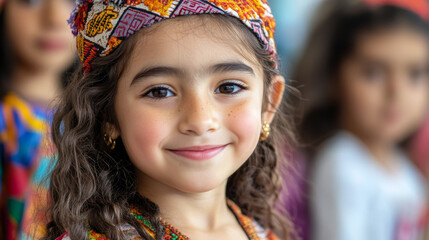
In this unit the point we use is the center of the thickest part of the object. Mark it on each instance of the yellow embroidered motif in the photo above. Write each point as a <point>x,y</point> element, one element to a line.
<point>101,22</point>
<point>159,6</point>
<point>80,42</point>
<point>112,44</point>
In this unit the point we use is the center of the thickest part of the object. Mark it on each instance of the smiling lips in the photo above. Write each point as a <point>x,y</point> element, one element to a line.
<point>52,45</point>
<point>199,153</point>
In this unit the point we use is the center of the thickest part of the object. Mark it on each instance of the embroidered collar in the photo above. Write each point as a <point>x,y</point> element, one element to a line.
<point>251,228</point>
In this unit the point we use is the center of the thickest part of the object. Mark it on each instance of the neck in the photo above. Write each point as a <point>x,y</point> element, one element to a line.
<point>41,87</point>
<point>203,211</point>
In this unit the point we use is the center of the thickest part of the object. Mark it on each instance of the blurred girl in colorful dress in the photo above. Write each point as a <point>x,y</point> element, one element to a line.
<point>36,49</point>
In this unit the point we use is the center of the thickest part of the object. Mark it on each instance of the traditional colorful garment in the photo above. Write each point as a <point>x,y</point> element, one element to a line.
<point>252,229</point>
<point>102,25</point>
<point>26,151</point>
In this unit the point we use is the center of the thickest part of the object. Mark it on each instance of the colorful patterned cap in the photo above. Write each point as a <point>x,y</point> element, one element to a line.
<point>102,25</point>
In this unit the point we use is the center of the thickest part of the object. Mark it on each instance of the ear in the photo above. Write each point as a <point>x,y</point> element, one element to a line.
<point>275,95</point>
<point>111,130</point>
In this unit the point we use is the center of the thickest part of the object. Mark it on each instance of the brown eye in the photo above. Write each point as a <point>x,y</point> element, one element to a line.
<point>229,88</point>
<point>418,75</point>
<point>374,74</point>
<point>159,92</point>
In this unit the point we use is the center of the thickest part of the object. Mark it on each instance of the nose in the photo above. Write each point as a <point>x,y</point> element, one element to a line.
<point>199,116</point>
<point>395,87</point>
<point>54,13</point>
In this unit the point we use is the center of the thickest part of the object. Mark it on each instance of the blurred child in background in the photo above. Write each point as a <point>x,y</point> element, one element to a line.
<point>364,76</point>
<point>36,48</point>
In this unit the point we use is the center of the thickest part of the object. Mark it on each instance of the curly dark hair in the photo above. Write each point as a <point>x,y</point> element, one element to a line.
<point>91,184</point>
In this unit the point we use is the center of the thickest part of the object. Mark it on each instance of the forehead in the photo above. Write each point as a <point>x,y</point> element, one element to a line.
<point>394,46</point>
<point>190,43</point>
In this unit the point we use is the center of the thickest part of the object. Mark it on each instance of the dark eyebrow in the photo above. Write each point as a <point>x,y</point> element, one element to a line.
<point>232,67</point>
<point>155,71</point>
<point>370,61</point>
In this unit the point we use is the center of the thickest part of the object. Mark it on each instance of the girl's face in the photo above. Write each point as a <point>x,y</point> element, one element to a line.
<point>188,106</point>
<point>384,85</point>
<point>38,33</point>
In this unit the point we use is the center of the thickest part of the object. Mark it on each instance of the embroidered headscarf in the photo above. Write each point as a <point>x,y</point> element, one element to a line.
<point>100,26</point>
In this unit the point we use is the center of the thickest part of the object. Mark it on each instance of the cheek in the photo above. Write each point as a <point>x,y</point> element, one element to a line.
<point>361,100</point>
<point>245,123</point>
<point>142,132</point>
<point>416,104</point>
<point>21,25</point>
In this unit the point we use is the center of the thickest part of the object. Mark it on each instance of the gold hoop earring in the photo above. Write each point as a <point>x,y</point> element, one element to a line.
<point>111,143</point>
<point>265,132</point>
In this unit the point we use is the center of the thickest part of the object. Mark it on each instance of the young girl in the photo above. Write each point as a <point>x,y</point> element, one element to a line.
<point>35,49</point>
<point>165,131</point>
<point>365,78</point>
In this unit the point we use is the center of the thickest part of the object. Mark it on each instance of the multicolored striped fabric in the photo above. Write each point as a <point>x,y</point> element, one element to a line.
<point>26,151</point>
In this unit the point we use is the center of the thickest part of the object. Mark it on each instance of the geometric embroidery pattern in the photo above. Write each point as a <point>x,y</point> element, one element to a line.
<point>133,20</point>
<point>102,25</point>
<point>195,7</point>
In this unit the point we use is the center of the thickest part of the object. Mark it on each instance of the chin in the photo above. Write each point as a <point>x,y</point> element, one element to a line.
<point>58,61</point>
<point>198,186</point>
<point>394,136</point>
